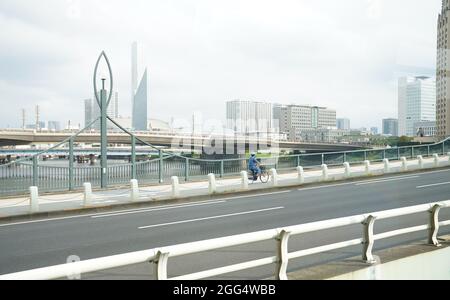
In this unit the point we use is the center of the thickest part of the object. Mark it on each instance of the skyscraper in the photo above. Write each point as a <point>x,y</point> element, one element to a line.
<point>416,102</point>
<point>442,84</point>
<point>390,127</point>
<point>140,106</point>
<point>134,70</point>
<point>343,124</point>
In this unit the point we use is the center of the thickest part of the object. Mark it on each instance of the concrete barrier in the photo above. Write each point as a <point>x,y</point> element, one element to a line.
<point>404,164</point>
<point>325,176</point>
<point>134,195</point>
<point>244,183</point>
<point>87,199</point>
<point>367,167</point>
<point>34,199</point>
<point>274,175</point>
<point>301,175</point>
<point>347,170</point>
<point>212,184</point>
<point>175,187</point>
<point>421,161</point>
<point>436,160</point>
<point>387,167</point>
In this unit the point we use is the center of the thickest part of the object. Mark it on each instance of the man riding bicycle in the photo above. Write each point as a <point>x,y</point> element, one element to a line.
<point>253,166</point>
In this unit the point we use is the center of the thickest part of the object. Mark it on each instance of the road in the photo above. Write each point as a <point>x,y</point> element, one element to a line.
<point>49,242</point>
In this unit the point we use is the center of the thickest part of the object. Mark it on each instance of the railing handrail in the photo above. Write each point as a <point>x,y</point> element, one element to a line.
<point>163,253</point>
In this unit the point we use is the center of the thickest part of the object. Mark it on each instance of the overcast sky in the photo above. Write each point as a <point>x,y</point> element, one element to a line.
<point>343,54</point>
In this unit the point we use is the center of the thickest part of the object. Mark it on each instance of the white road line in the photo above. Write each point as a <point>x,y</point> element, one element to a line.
<point>386,180</point>
<point>98,214</point>
<point>432,185</point>
<point>154,209</point>
<point>325,186</point>
<point>212,218</point>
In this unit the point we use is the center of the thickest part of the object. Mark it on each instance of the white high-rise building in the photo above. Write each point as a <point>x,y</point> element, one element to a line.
<point>416,103</point>
<point>294,119</point>
<point>250,118</point>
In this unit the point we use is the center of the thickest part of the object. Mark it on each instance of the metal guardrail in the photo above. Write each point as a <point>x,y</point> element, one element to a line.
<point>160,256</point>
<point>15,177</point>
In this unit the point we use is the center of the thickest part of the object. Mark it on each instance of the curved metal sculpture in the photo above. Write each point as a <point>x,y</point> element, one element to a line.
<point>103,54</point>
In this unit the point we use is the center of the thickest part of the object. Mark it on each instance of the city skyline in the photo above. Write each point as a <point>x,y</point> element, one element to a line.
<point>186,71</point>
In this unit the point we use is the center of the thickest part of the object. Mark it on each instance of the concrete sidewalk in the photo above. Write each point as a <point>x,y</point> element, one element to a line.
<point>75,201</point>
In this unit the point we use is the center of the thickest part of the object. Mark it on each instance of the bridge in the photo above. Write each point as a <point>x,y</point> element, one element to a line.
<point>27,137</point>
<point>245,236</point>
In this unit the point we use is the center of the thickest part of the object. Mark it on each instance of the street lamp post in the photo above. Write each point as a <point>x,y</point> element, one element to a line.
<point>103,102</point>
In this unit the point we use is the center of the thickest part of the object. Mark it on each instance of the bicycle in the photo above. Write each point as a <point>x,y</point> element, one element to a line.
<point>264,177</point>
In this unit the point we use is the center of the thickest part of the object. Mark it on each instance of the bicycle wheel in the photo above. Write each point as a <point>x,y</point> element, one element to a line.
<point>264,177</point>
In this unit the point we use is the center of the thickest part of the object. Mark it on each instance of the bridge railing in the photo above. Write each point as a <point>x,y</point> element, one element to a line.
<point>15,178</point>
<point>281,236</point>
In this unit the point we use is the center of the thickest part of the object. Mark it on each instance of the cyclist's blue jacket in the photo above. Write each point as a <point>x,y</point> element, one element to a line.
<point>252,163</point>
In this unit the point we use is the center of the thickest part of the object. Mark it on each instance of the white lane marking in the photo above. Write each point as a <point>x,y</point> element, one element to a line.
<point>325,186</point>
<point>212,218</point>
<point>91,215</point>
<point>432,185</point>
<point>386,180</point>
<point>154,209</point>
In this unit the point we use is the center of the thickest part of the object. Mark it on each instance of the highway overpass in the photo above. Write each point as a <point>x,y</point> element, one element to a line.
<point>12,138</point>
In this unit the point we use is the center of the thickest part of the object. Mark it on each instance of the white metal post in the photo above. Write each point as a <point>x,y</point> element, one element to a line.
<point>301,175</point>
<point>421,162</point>
<point>274,174</point>
<point>348,170</point>
<point>387,167</point>
<point>244,177</point>
<point>404,164</point>
<point>436,160</point>
<point>324,172</point>
<point>87,200</point>
<point>34,199</point>
<point>282,255</point>
<point>134,196</point>
<point>175,187</point>
<point>212,184</point>
<point>367,167</point>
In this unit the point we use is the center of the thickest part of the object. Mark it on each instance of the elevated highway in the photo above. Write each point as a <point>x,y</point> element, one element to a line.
<point>17,137</point>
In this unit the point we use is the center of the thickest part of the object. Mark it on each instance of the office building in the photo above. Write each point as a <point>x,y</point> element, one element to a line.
<point>425,128</point>
<point>343,124</point>
<point>140,106</point>
<point>442,65</point>
<point>390,127</point>
<point>295,118</point>
<point>250,118</point>
<point>54,126</point>
<point>416,103</point>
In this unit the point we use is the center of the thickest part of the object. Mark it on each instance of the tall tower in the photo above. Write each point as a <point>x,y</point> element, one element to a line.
<point>140,106</point>
<point>24,119</point>
<point>442,84</point>
<point>134,71</point>
<point>38,127</point>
